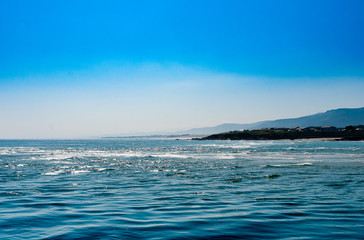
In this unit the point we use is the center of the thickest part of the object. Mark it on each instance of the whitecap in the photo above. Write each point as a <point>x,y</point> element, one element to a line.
<point>274,165</point>
<point>54,173</point>
<point>302,164</point>
<point>79,171</point>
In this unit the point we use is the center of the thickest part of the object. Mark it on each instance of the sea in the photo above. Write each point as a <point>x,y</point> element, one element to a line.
<point>142,188</point>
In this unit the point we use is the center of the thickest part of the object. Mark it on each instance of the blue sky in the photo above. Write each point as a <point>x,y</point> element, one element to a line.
<point>85,68</point>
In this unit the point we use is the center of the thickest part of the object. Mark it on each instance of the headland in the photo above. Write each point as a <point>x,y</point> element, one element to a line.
<point>349,133</point>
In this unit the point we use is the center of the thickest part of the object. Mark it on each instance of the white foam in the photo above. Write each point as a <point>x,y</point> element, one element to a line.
<point>79,171</point>
<point>302,164</point>
<point>171,155</point>
<point>225,156</point>
<point>54,173</point>
<point>273,165</point>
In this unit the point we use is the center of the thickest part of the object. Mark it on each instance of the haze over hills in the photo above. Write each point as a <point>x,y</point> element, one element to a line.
<point>338,118</point>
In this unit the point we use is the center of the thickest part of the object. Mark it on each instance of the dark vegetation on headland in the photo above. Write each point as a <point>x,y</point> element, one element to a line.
<point>349,133</point>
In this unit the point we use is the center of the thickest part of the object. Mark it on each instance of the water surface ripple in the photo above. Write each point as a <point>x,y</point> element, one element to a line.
<point>167,189</point>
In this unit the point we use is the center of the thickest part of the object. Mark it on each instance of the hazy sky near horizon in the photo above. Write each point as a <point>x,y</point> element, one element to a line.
<point>88,68</point>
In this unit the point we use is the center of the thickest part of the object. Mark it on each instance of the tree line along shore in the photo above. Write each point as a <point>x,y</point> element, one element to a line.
<point>348,133</point>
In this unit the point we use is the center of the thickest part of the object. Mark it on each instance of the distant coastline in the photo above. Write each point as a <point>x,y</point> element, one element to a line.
<point>349,133</point>
<point>339,118</point>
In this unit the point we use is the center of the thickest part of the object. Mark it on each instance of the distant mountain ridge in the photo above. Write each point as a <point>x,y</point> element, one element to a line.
<point>338,118</point>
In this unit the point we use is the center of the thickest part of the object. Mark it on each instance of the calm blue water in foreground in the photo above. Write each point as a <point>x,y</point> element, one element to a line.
<point>168,189</point>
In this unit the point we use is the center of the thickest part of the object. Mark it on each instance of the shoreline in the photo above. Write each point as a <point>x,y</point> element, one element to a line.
<point>349,133</point>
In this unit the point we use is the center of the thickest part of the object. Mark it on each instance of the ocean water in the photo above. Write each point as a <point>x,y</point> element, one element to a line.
<point>168,189</point>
